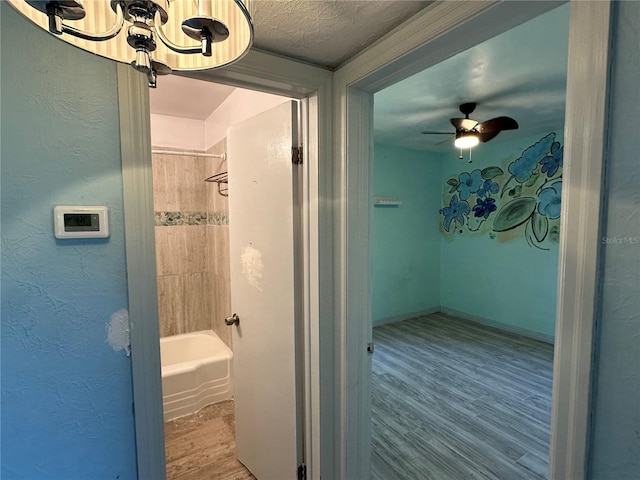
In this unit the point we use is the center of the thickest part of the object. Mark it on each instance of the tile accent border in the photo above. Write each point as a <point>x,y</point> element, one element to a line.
<point>170,219</point>
<point>218,218</point>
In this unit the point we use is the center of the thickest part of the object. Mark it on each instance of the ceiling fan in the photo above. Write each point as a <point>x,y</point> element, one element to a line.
<point>470,132</point>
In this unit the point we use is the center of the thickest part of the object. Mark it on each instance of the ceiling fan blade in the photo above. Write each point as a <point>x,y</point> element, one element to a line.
<point>498,123</point>
<point>448,140</point>
<point>429,132</point>
<point>493,127</point>
<point>463,123</point>
<point>485,137</point>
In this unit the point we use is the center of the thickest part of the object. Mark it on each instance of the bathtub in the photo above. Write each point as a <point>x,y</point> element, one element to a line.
<point>196,371</point>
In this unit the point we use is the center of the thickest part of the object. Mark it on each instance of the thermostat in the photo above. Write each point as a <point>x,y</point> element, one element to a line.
<point>81,221</point>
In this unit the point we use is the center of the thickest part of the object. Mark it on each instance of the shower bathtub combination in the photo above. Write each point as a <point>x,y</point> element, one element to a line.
<point>196,372</point>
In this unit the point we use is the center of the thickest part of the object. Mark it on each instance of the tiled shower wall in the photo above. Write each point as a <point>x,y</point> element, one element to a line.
<point>192,244</point>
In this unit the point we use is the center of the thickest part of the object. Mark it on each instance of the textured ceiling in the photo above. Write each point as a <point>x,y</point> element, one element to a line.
<point>521,74</point>
<point>326,32</point>
<point>321,32</point>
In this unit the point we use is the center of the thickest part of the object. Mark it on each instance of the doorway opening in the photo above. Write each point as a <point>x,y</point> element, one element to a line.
<point>212,270</point>
<point>464,293</point>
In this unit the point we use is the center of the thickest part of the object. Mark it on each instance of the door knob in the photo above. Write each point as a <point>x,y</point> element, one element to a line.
<point>232,320</point>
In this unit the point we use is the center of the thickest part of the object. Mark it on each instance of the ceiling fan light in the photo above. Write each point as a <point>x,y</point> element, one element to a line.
<point>466,140</point>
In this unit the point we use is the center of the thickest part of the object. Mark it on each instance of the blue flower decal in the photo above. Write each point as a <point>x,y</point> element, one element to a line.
<point>469,183</point>
<point>484,207</point>
<point>523,167</point>
<point>549,200</point>
<point>488,187</point>
<point>455,211</point>
<point>553,161</point>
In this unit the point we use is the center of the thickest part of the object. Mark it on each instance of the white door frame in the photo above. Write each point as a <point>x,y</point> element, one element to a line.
<point>337,224</point>
<point>440,31</point>
<point>272,74</point>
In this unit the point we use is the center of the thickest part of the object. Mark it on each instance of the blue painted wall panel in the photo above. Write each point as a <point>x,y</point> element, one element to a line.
<point>498,276</point>
<point>406,239</point>
<point>417,266</point>
<point>615,445</point>
<point>508,283</point>
<point>66,393</point>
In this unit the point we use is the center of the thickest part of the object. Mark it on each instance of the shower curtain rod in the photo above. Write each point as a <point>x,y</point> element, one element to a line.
<point>222,156</point>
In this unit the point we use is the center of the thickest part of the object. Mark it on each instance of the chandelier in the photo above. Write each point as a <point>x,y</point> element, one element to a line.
<point>153,36</point>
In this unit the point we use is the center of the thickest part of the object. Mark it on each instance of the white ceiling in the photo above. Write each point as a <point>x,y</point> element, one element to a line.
<point>520,74</point>
<point>187,98</point>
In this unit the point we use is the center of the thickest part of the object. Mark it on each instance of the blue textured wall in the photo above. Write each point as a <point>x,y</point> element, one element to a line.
<point>417,268</point>
<point>500,279</point>
<point>615,449</point>
<point>406,239</point>
<point>66,394</point>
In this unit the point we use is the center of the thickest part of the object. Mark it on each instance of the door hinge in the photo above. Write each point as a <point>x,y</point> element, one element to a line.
<point>302,472</point>
<point>296,155</point>
<point>370,348</point>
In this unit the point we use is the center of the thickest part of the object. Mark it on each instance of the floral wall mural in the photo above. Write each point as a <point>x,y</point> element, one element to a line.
<point>522,197</point>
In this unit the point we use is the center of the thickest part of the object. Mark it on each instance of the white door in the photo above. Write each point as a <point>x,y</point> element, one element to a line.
<point>261,229</point>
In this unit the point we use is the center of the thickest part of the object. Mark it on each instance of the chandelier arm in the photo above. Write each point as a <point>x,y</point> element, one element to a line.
<point>98,37</point>
<point>169,44</point>
<point>152,79</point>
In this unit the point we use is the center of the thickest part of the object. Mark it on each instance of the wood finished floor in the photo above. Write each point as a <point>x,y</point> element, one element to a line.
<point>455,400</point>
<point>202,446</point>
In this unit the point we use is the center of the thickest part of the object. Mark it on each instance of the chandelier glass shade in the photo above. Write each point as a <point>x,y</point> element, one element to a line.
<point>154,36</point>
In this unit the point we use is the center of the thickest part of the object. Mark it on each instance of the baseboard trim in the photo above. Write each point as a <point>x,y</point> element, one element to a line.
<point>406,316</point>
<point>525,332</point>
